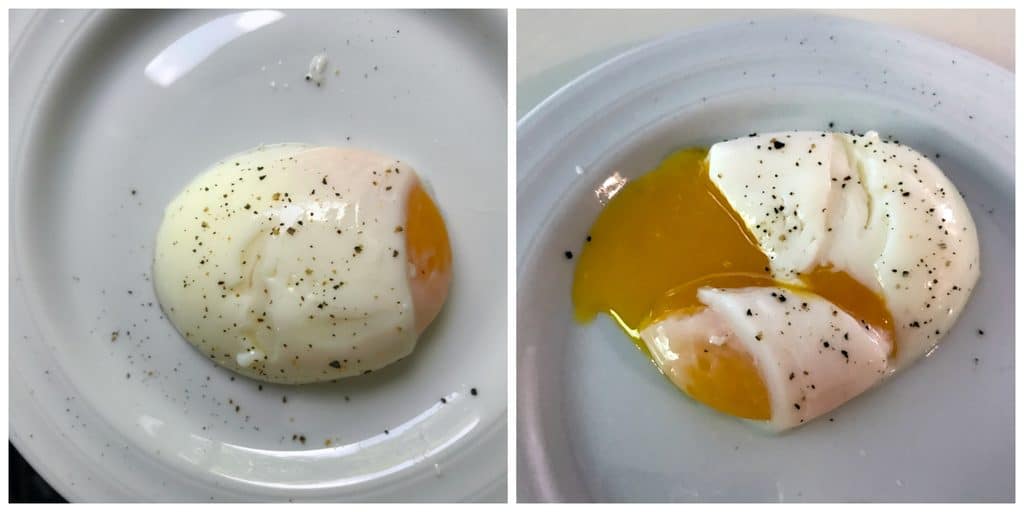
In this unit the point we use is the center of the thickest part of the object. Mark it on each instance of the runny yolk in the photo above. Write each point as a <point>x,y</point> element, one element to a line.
<point>664,229</point>
<point>669,233</point>
<point>851,296</point>
<point>429,253</point>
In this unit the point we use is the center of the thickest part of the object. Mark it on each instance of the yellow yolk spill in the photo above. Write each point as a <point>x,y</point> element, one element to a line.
<point>671,232</point>
<point>664,229</point>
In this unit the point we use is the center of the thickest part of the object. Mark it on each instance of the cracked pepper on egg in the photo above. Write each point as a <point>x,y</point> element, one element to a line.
<point>775,277</point>
<point>296,264</point>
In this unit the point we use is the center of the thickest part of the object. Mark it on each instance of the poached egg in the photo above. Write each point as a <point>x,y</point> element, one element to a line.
<point>775,277</point>
<point>296,264</point>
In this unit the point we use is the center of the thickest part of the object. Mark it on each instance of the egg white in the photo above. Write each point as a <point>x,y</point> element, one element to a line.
<point>812,356</point>
<point>284,263</point>
<point>877,210</point>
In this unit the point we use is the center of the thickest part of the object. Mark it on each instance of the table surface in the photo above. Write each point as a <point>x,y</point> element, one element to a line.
<point>555,46</point>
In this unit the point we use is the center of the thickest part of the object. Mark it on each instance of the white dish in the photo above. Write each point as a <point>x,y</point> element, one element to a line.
<point>596,421</point>
<point>105,134</point>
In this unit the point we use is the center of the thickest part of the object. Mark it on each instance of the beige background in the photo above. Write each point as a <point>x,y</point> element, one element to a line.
<point>555,46</point>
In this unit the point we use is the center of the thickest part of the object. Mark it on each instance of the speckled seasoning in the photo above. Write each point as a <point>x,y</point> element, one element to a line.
<point>284,263</point>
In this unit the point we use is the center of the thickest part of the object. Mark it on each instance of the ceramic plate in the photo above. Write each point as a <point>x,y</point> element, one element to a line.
<point>596,421</point>
<point>112,114</point>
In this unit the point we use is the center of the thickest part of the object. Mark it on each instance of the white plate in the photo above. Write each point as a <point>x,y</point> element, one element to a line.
<point>596,421</point>
<point>96,116</point>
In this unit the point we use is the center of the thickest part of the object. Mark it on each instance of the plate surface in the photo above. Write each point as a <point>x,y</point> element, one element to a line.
<point>596,421</point>
<point>112,114</point>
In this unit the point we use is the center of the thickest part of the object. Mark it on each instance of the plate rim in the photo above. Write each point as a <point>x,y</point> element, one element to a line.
<point>535,114</point>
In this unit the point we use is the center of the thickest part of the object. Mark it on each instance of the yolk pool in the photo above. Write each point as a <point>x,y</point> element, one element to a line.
<point>671,232</point>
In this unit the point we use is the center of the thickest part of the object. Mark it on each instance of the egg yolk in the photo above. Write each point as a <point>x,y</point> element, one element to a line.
<point>669,233</point>
<point>856,299</point>
<point>428,253</point>
<point>725,379</point>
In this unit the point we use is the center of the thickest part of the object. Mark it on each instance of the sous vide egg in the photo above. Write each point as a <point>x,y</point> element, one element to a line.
<point>775,277</point>
<point>295,264</point>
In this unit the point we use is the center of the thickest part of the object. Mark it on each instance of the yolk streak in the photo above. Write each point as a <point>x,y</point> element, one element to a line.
<point>851,296</point>
<point>671,232</point>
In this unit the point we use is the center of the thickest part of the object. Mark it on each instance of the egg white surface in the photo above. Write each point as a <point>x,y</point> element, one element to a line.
<point>876,209</point>
<point>812,357</point>
<point>284,263</point>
